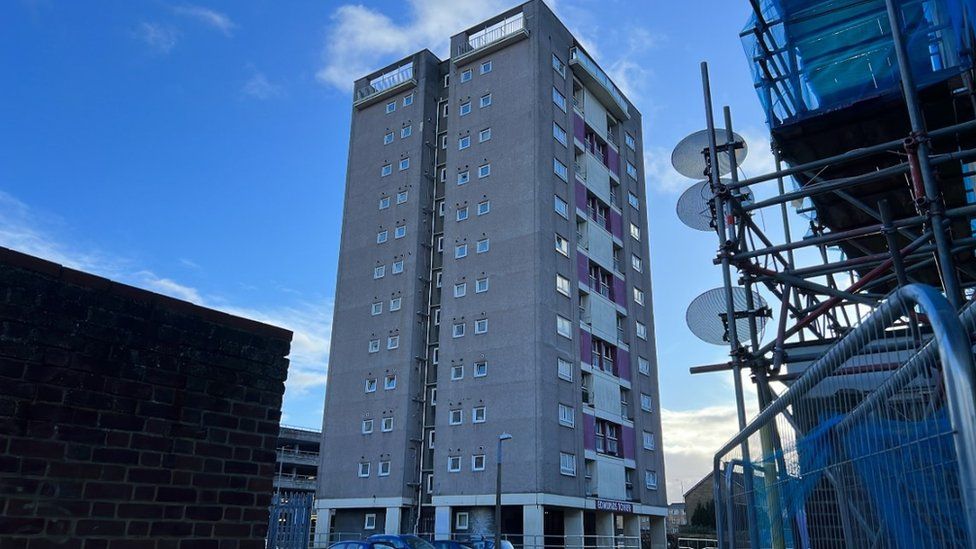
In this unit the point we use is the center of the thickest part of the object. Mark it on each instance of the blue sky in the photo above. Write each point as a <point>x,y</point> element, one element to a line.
<point>198,149</point>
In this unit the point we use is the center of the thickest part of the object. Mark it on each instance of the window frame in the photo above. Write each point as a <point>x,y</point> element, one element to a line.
<point>564,459</point>
<point>479,414</point>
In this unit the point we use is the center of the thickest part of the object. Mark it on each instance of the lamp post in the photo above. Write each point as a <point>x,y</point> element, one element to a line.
<point>498,490</point>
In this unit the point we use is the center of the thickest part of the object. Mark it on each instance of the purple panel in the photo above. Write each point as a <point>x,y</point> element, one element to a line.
<point>619,291</point>
<point>613,161</point>
<point>580,196</point>
<point>583,268</point>
<point>623,364</point>
<point>586,346</point>
<point>628,440</point>
<point>616,224</point>
<point>579,128</point>
<point>589,432</point>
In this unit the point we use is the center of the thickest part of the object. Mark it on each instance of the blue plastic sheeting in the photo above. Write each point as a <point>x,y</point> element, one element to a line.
<point>810,56</point>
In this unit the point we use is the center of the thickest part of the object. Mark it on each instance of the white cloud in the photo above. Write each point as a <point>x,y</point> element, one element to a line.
<point>160,38</point>
<point>691,438</point>
<point>208,17</point>
<point>660,175</point>
<point>259,87</point>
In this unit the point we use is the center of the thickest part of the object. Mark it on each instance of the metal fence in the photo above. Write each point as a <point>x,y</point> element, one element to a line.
<point>874,445</point>
<point>517,541</point>
<point>290,522</point>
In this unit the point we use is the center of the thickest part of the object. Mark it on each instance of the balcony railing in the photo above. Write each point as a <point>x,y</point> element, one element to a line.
<point>580,169</point>
<point>383,82</point>
<point>296,456</point>
<point>295,482</point>
<point>618,103</point>
<point>492,34</point>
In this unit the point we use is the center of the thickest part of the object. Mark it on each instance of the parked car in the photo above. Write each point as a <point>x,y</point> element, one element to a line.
<point>449,544</point>
<point>488,544</point>
<point>401,541</point>
<point>360,545</point>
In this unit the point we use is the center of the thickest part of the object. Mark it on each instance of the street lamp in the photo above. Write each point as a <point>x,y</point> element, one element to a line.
<point>498,490</point>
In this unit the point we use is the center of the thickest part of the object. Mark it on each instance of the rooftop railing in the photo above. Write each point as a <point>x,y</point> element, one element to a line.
<point>580,58</point>
<point>492,34</point>
<point>385,81</point>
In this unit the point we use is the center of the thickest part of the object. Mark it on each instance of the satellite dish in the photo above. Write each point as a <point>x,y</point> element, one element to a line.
<point>707,313</point>
<point>695,205</point>
<point>688,158</point>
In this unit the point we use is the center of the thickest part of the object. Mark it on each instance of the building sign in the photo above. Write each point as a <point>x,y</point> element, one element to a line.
<point>614,506</point>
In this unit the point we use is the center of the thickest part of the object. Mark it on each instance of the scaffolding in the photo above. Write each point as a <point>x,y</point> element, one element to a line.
<point>872,116</point>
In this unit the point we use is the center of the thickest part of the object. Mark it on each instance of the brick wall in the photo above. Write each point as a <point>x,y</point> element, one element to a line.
<point>129,419</point>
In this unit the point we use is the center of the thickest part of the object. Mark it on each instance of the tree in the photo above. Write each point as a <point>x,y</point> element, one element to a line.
<point>704,515</point>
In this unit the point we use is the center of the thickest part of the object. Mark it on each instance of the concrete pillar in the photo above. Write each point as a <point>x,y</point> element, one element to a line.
<point>442,522</point>
<point>392,520</point>
<point>604,529</point>
<point>323,519</point>
<point>659,532</point>
<point>533,530</point>
<point>632,531</point>
<point>573,527</point>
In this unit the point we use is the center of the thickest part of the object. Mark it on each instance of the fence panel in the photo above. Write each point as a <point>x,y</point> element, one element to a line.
<point>291,520</point>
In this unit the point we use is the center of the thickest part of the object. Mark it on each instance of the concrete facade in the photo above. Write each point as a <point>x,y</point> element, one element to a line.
<point>525,297</point>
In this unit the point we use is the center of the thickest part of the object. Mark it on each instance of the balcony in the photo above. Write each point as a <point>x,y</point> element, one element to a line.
<point>491,38</point>
<point>385,85</point>
<point>298,457</point>
<point>295,482</point>
<point>600,83</point>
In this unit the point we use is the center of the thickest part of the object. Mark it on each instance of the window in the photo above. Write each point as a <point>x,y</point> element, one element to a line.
<point>457,372</point>
<point>481,326</point>
<point>386,170</point>
<point>406,131</point>
<point>404,163</point>
<point>461,250</point>
<point>398,266</point>
<point>367,426</point>
<point>393,342</point>
<point>561,207</point>
<point>437,317</point>
<point>564,369</point>
<point>464,108</point>
<point>559,133</point>
<point>481,368</point>
<point>606,438</point>
<point>384,468</point>
<point>364,469</point>
<point>371,385</point>
<point>567,415</point>
<point>649,440</point>
<point>484,207</point>
<point>636,263</point>
<point>481,285</point>
<point>479,414</point>
<point>377,308</point>
<point>484,171</point>
<point>464,142</point>
<point>484,135</point>
<point>457,329</point>
<point>643,366</point>
<point>389,383</point>
<point>465,75</point>
<point>408,100</point>
<point>430,435</point>
<point>401,197</point>
<point>395,304</point>
<point>463,177</point>
<point>440,209</point>
<point>483,245</point>
<point>444,137</point>
<point>562,285</point>
<point>390,107</point>
<point>442,174</point>
<point>650,479</point>
<point>485,100</point>
<point>478,462</point>
<point>455,417</point>
<point>447,80</point>
<point>559,99</point>
<point>453,464</point>
<point>560,169</point>
<point>562,245</point>
<point>564,327</point>
<point>641,330</point>
<point>639,296</point>
<point>374,345</point>
<point>446,110</point>
<point>460,289</point>
<point>370,523</point>
<point>631,142</point>
<point>567,464</point>
<point>388,138</point>
<point>382,236</point>
<point>462,213</point>
<point>486,67</point>
<point>631,170</point>
<point>558,65</point>
<point>461,521</point>
<point>387,424</point>
<point>400,231</point>
<point>634,231</point>
<point>435,354</point>
<point>384,202</point>
<point>645,400</point>
<point>633,200</point>
<point>439,273</point>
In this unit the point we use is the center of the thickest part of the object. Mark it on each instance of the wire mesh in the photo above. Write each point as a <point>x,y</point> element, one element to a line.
<point>866,448</point>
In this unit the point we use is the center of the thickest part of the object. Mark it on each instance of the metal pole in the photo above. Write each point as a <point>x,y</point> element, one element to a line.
<point>498,490</point>
<point>919,140</point>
